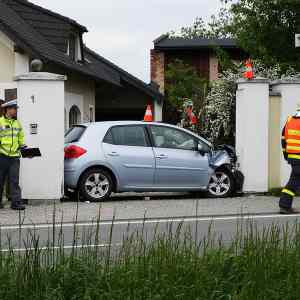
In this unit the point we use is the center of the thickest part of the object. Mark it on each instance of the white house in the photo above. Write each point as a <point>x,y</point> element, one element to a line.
<point>75,85</point>
<point>95,88</point>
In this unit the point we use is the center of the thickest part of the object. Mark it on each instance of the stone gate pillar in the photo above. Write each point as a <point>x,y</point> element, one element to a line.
<point>252,132</point>
<point>41,113</point>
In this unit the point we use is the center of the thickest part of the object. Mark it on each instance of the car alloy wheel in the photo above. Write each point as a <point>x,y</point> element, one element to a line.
<point>96,185</point>
<point>220,184</point>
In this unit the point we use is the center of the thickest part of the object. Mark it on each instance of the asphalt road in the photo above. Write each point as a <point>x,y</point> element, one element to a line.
<point>163,214</point>
<point>114,232</point>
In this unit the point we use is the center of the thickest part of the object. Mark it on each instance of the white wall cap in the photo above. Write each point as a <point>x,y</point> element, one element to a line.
<point>255,80</point>
<point>40,76</point>
<point>285,81</point>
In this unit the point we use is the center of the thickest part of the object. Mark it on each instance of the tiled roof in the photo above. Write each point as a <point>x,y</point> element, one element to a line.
<point>54,27</point>
<point>125,76</point>
<point>165,42</point>
<point>43,34</point>
<point>37,45</point>
<point>39,13</point>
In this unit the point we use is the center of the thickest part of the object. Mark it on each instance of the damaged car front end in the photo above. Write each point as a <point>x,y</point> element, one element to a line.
<point>227,179</point>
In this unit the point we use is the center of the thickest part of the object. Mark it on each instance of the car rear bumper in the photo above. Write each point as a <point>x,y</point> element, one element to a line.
<point>71,179</point>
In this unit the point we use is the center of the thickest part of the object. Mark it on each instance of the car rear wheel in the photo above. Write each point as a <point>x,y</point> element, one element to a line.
<point>220,184</point>
<point>96,185</point>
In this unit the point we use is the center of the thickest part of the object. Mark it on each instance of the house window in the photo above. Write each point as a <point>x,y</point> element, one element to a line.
<point>74,116</point>
<point>78,54</point>
<point>11,94</point>
<point>74,48</point>
<point>71,47</point>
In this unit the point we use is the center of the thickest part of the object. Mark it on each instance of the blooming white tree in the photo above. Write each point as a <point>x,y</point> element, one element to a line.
<point>218,115</point>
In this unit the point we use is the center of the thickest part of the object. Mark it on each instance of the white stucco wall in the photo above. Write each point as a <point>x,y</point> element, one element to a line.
<point>7,59</point>
<point>21,64</point>
<point>290,97</point>
<point>80,92</point>
<point>11,64</point>
<point>252,133</point>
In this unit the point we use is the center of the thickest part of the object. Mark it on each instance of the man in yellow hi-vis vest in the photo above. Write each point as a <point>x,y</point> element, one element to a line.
<point>11,142</point>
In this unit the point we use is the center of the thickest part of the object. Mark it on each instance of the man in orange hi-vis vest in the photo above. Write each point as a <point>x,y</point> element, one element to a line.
<point>291,152</point>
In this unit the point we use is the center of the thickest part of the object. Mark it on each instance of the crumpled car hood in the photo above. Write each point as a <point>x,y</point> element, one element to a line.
<point>224,156</point>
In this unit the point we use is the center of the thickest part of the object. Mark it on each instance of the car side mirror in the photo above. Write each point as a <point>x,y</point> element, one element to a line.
<point>203,149</point>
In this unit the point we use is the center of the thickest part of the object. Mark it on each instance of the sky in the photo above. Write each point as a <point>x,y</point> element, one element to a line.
<point>123,30</point>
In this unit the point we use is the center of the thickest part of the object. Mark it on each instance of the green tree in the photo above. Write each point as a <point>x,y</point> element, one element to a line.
<point>217,28</point>
<point>266,30</point>
<point>263,28</point>
<point>182,83</point>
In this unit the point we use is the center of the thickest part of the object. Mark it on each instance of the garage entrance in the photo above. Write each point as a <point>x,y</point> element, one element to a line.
<point>120,104</point>
<point>120,114</point>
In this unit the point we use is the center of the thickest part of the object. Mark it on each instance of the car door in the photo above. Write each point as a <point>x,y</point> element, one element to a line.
<point>179,164</point>
<point>128,150</point>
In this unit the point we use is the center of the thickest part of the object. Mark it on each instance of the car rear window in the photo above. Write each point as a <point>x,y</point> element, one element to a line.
<point>74,134</point>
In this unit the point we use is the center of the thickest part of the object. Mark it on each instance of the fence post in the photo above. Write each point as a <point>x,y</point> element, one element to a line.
<point>252,132</point>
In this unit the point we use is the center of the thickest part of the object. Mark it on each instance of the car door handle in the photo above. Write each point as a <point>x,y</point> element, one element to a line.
<point>114,154</point>
<point>162,156</point>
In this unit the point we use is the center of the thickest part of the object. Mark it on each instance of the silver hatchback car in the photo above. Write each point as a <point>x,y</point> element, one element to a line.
<point>123,156</point>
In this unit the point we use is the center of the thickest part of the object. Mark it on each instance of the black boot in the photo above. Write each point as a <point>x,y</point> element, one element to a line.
<point>18,207</point>
<point>288,211</point>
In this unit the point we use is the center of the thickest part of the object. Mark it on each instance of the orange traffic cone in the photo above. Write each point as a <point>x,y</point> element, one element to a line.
<point>148,116</point>
<point>249,74</point>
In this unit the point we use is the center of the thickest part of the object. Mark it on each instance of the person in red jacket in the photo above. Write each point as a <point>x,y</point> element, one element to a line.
<point>291,152</point>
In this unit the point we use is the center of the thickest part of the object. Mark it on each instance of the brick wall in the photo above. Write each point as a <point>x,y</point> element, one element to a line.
<point>158,69</point>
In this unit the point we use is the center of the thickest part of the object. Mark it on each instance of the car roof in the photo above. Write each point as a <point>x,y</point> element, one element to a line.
<point>115,123</point>
<point>108,124</point>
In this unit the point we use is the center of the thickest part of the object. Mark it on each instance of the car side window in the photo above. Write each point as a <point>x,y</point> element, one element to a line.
<point>127,136</point>
<point>166,137</point>
<point>108,139</point>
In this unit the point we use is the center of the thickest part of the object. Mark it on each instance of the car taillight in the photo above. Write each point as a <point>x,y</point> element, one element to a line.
<point>73,151</point>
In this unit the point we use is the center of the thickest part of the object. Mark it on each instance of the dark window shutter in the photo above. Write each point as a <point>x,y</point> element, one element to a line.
<point>11,94</point>
<point>72,43</point>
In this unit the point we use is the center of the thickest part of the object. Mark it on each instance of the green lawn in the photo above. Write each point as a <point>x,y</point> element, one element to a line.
<point>254,266</point>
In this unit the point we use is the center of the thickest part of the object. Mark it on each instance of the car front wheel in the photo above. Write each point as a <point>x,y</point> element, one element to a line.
<point>96,185</point>
<point>220,184</point>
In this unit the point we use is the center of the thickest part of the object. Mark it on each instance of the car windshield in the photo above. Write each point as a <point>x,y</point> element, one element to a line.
<point>74,134</point>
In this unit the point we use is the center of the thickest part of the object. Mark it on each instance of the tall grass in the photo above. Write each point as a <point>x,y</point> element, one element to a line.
<point>256,264</point>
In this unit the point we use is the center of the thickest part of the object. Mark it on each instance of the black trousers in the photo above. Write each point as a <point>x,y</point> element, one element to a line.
<point>286,200</point>
<point>10,168</point>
